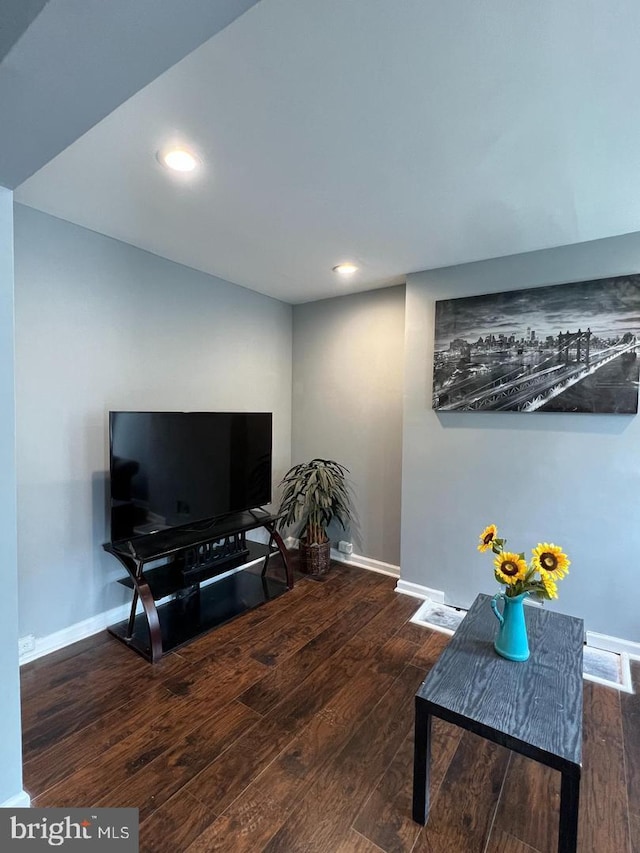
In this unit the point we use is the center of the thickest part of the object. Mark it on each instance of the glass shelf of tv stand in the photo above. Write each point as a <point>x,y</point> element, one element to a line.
<point>154,546</point>
<point>185,618</point>
<point>167,579</point>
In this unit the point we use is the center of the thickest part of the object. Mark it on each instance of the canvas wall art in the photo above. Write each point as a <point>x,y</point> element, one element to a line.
<point>562,348</point>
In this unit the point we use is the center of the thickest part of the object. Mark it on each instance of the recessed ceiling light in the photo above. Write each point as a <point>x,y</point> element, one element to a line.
<point>178,159</point>
<point>345,269</point>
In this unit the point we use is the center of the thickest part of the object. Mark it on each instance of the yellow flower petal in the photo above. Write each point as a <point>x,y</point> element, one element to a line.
<point>550,586</point>
<point>510,567</point>
<point>550,561</point>
<point>487,536</point>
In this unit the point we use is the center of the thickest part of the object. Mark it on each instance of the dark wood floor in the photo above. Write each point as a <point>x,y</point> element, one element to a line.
<point>290,729</point>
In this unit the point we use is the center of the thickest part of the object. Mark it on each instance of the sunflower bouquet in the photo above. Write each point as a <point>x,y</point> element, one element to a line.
<point>539,577</point>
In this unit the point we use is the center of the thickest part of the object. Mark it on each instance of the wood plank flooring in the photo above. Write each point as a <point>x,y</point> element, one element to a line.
<point>290,729</point>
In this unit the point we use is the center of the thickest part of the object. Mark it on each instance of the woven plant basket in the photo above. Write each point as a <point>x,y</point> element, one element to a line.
<point>315,559</point>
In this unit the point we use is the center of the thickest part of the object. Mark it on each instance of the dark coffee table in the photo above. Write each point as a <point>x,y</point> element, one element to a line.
<point>534,707</point>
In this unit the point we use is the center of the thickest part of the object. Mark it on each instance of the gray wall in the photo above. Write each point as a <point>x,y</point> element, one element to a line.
<point>101,325</point>
<point>569,479</point>
<point>10,743</point>
<point>347,404</point>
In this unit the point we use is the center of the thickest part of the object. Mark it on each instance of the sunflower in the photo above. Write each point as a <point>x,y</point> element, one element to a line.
<point>510,568</point>
<point>549,585</point>
<point>550,561</point>
<point>487,536</point>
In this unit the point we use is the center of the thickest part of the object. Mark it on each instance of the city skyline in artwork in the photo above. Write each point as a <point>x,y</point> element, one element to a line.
<point>566,347</point>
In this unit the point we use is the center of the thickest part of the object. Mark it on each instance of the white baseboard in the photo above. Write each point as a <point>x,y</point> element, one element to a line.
<point>366,563</point>
<point>358,560</point>
<point>419,591</point>
<point>75,632</point>
<point>95,624</point>
<point>613,644</point>
<point>20,801</point>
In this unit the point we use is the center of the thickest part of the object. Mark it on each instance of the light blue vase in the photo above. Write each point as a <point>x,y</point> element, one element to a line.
<point>511,641</point>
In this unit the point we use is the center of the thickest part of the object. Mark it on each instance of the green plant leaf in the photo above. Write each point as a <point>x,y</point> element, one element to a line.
<point>313,494</point>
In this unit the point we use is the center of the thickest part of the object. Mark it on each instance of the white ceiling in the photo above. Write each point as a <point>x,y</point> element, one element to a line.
<point>66,64</point>
<point>400,134</point>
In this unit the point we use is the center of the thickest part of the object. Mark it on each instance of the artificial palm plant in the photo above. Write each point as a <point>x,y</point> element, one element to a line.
<point>313,494</point>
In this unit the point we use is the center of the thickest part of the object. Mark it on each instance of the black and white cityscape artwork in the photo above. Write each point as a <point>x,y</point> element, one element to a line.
<point>562,348</point>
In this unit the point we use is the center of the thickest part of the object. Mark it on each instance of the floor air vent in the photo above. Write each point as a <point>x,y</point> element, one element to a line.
<point>438,617</point>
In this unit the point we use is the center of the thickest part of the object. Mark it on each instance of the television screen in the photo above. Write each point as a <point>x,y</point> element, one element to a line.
<point>171,469</point>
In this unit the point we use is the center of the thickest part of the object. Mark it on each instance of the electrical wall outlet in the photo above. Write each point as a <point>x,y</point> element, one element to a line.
<point>26,644</point>
<point>345,547</point>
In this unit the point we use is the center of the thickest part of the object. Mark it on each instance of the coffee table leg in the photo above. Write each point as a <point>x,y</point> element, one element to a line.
<point>569,802</point>
<point>421,762</point>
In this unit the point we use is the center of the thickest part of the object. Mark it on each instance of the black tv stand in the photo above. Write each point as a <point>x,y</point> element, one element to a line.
<point>192,556</point>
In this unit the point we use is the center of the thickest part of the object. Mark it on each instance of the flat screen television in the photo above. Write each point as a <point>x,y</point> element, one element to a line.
<point>176,469</point>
